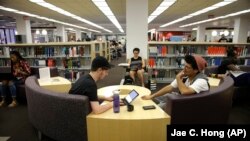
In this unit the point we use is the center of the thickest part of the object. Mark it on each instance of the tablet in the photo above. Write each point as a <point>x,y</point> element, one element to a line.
<point>130,97</point>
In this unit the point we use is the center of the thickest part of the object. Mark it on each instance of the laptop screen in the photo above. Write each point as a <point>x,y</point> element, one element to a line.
<point>131,96</point>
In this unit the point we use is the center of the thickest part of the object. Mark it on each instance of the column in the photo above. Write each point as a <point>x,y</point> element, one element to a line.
<point>23,27</point>
<point>78,35</point>
<point>61,32</point>
<point>240,30</point>
<point>200,37</point>
<point>137,27</point>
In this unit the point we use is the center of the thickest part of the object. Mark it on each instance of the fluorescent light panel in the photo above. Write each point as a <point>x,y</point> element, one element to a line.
<point>66,13</point>
<point>45,18</point>
<point>215,6</point>
<point>217,18</point>
<point>103,6</point>
<point>165,4</point>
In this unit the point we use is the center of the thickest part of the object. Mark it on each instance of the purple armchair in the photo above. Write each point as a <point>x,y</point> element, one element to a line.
<point>210,107</point>
<point>59,116</point>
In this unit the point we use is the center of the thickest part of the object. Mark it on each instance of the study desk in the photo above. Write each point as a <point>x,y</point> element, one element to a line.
<point>138,125</point>
<point>56,84</point>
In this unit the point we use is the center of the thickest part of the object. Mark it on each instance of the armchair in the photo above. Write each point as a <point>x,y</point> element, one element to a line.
<point>210,107</point>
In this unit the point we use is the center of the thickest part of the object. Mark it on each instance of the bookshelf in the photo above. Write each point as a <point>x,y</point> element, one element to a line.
<point>165,59</point>
<point>71,58</point>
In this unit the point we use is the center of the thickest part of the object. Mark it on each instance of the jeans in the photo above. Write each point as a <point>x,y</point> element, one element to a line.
<point>12,88</point>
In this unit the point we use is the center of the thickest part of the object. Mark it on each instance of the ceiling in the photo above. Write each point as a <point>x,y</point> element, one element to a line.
<point>86,9</point>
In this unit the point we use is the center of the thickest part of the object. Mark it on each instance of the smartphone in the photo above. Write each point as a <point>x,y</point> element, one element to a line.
<point>149,107</point>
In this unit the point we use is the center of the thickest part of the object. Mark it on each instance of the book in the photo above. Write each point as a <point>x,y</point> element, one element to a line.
<point>237,73</point>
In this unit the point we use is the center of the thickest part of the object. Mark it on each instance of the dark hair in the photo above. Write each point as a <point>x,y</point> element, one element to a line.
<point>136,49</point>
<point>231,53</point>
<point>191,60</point>
<point>17,54</point>
<point>100,62</point>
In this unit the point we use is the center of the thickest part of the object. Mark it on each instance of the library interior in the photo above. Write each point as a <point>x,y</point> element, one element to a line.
<point>97,70</point>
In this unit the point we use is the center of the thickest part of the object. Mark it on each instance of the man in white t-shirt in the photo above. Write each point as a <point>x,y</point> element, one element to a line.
<point>190,80</point>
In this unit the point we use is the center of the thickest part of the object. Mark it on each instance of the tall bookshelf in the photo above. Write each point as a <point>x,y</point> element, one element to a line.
<point>165,59</point>
<point>70,58</point>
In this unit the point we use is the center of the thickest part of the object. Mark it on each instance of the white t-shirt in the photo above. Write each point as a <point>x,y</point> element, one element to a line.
<point>198,86</point>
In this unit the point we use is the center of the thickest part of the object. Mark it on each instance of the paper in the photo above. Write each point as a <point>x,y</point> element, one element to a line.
<point>237,73</point>
<point>213,81</point>
<point>44,73</point>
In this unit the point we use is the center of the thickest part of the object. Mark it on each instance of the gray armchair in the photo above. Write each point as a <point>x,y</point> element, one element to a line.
<point>210,107</point>
<point>59,116</point>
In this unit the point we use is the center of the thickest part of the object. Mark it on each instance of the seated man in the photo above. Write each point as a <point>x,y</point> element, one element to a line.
<point>136,66</point>
<point>230,64</point>
<point>190,80</point>
<point>86,85</point>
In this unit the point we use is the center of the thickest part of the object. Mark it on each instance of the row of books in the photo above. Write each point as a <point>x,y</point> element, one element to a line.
<point>163,50</point>
<point>178,62</point>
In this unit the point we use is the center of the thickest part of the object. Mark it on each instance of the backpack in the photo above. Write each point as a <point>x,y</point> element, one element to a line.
<point>128,80</point>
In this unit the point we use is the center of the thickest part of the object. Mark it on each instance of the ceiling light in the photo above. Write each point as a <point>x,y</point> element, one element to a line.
<point>232,33</point>
<point>165,4</point>
<point>103,6</point>
<point>214,33</point>
<point>37,31</point>
<point>45,18</point>
<point>226,32</point>
<point>66,13</point>
<point>44,32</point>
<point>215,6</point>
<point>217,18</point>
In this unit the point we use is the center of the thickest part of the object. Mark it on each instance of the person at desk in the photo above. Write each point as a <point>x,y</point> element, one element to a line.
<point>20,70</point>
<point>230,64</point>
<point>136,66</point>
<point>86,85</point>
<point>191,80</point>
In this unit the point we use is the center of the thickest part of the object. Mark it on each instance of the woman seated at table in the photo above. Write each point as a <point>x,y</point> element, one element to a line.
<point>136,66</point>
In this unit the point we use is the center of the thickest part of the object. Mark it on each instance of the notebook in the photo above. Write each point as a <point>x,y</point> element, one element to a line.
<point>130,97</point>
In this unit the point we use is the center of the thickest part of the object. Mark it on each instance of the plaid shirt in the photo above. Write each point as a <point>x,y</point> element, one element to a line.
<point>24,67</point>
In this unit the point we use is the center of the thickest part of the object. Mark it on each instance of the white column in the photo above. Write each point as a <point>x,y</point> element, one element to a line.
<point>78,34</point>
<point>23,27</point>
<point>200,37</point>
<point>61,32</point>
<point>137,27</point>
<point>240,30</point>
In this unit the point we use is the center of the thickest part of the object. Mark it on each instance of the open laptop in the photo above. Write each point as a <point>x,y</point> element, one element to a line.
<point>130,97</point>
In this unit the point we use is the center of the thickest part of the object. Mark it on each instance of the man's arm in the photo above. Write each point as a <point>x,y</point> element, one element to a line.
<point>98,109</point>
<point>181,86</point>
<point>161,92</point>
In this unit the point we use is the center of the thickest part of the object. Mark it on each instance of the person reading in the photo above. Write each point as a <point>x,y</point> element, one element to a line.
<point>136,66</point>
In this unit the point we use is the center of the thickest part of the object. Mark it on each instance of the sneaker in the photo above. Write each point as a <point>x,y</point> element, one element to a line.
<point>12,104</point>
<point>2,103</point>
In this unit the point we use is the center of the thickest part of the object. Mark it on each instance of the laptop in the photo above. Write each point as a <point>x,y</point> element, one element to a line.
<point>130,97</point>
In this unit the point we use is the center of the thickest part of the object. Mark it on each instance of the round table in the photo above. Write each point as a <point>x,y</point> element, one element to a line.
<point>139,125</point>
